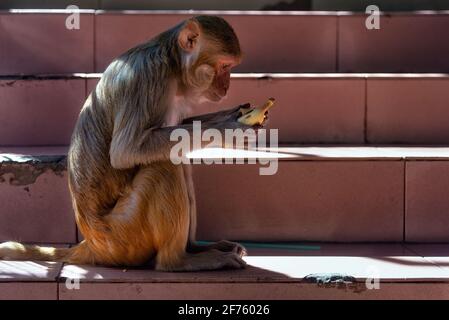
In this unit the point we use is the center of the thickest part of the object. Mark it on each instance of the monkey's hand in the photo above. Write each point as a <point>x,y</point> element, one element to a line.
<point>240,110</point>
<point>257,116</point>
<point>220,116</point>
<point>233,113</point>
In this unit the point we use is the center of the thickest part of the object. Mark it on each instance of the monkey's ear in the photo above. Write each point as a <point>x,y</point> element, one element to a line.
<point>189,35</point>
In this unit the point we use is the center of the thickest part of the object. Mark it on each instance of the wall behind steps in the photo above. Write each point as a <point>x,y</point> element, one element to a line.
<point>331,5</point>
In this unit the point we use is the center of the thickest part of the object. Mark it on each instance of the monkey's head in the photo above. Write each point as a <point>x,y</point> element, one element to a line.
<point>209,50</point>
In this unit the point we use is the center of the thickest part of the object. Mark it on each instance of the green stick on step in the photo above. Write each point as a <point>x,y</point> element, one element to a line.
<point>266,245</point>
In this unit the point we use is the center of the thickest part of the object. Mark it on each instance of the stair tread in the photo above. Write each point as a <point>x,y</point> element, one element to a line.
<point>225,12</point>
<point>252,75</point>
<point>35,271</point>
<point>288,152</point>
<point>25,154</point>
<point>393,262</point>
<point>389,262</point>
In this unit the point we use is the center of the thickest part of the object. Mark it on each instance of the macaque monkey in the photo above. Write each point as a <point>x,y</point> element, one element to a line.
<point>132,204</point>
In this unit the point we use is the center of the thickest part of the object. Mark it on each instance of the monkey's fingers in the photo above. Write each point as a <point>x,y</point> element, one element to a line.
<point>256,116</point>
<point>241,250</point>
<point>241,106</point>
<point>229,246</point>
<point>242,110</point>
<point>245,105</point>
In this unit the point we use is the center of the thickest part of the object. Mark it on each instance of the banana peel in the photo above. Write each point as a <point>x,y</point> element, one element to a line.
<point>255,116</point>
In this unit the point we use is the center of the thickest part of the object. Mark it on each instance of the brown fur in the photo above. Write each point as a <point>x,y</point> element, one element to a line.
<point>131,203</point>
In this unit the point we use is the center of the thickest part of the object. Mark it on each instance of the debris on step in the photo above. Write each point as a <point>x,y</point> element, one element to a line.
<point>335,280</point>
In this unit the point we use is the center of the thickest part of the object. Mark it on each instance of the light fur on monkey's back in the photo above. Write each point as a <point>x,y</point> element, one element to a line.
<point>126,88</point>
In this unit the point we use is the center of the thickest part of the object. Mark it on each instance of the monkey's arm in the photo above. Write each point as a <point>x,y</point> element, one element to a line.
<point>132,146</point>
<point>218,116</point>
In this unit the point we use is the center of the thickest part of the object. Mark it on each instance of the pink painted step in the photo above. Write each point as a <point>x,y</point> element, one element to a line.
<point>317,201</point>
<point>310,108</point>
<point>35,203</point>
<point>33,42</point>
<point>39,112</point>
<point>30,280</point>
<point>407,110</point>
<point>347,108</point>
<point>116,32</point>
<point>311,38</point>
<point>403,271</point>
<point>28,290</point>
<point>324,109</point>
<point>277,274</point>
<point>252,291</point>
<point>404,43</point>
<point>37,43</point>
<point>427,217</point>
<point>318,194</point>
<point>435,253</point>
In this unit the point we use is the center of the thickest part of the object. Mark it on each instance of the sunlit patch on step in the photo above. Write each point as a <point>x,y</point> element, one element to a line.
<point>388,268</point>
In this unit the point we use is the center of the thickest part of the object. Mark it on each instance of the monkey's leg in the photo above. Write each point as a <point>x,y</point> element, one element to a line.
<point>192,246</point>
<point>169,217</point>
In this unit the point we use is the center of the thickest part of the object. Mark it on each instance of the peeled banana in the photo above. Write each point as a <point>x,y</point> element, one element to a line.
<point>257,115</point>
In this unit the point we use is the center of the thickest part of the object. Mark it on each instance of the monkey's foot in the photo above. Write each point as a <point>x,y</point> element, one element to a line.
<point>209,260</point>
<point>223,245</point>
<point>229,246</point>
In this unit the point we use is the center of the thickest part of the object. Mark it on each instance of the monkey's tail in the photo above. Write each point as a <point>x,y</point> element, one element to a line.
<point>17,251</point>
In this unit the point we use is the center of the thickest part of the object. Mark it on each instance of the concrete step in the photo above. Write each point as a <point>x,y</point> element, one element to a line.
<point>311,108</point>
<point>392,271</point>
<point>37,41</point>
<point>331,193</point>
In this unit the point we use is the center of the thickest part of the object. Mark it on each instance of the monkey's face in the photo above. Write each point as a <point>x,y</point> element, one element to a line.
<point>221,81</point>
<point>207,68</point>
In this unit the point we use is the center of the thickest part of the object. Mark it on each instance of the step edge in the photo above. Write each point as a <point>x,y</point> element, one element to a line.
<point>38,154</point>
<point>226,12</point>
<point>249,75</point>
